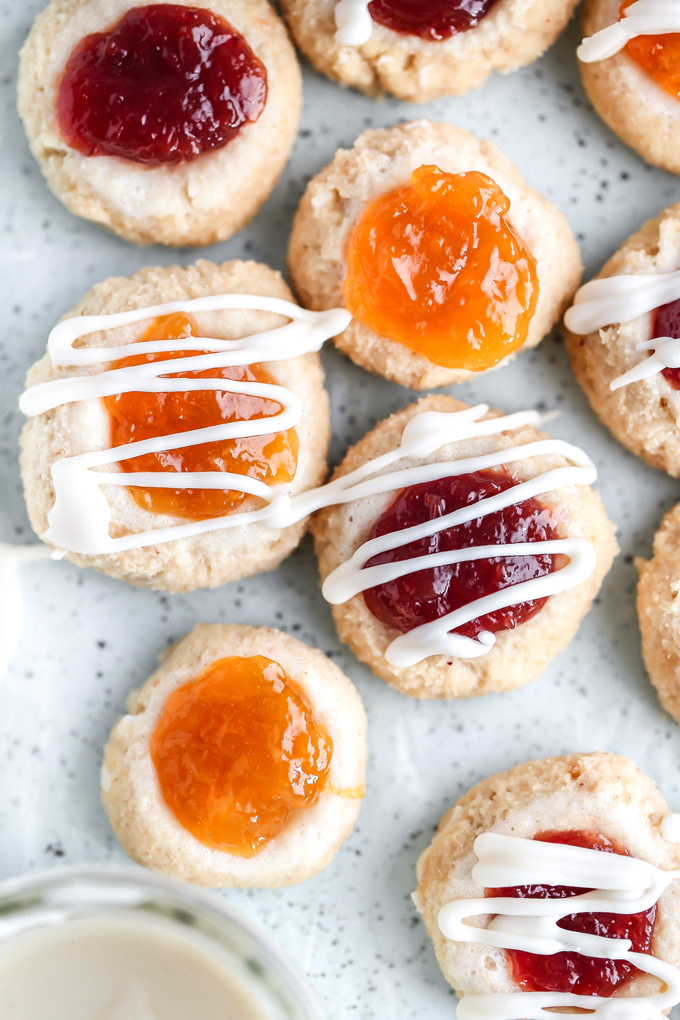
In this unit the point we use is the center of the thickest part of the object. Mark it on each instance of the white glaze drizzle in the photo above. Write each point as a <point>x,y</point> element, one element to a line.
<point>616,299</point>
<point>80,517</point>
<point>353,22</point>
<point>621,885</point>
<point>424,435</point>
<point>12,559</point>
<point>645,17</point>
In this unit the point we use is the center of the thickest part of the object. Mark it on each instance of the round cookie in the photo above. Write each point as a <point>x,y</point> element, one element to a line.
<point>519,655</point>
<point>643,414</point>
<point>149,830</point>
<point>212,558</point>
<point>601,793</point>
<point>513,34</point>
<point>380,162</point>
<point>659,613</point>
<point>196,202</point>
<point>628,98</point>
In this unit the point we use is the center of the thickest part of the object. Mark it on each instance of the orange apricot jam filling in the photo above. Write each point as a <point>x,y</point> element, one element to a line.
<point>237,752</point>
<point>659,55</point>
<point>137,416</point>
<point>436,266</point>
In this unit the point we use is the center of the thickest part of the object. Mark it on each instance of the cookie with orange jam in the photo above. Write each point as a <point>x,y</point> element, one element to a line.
<point>420,50</point>
<point>637,89</point>
<point>448,261</point>
<point>168,123</point>
<point>600,802</point>
<point>241,762</point>
<point>271,461</point>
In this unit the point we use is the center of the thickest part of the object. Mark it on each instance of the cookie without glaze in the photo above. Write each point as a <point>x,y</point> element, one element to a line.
<point>382,161</point>
<point>659,612</point>
<point>512,35</point>
<point>211,559</point>
<point>196,203</point>
<point>597,792</point>
<point>150,832</point>
<point>519,655</point>
<point>643,415</point>
<point>628,99</point>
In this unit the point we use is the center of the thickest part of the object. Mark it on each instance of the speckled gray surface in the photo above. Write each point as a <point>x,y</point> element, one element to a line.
<point>87,639</point>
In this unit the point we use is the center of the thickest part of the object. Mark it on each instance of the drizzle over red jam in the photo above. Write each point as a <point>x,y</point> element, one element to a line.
<point>164,85</point>
<point>428,595</point>
<point>434,20</point>
<point>667,323</point>
<point>570,972</point>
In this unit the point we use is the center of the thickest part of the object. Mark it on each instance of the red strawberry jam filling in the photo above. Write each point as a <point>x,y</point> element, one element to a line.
<point>427,595</point>
<point>667,323</point>
<point>435,20</point>
<point>571,972</point>
<point>164,85</point>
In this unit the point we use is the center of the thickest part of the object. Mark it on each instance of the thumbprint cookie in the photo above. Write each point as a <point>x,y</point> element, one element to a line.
<point>623,334</point>
<point>421,51</point>
<point>448,261</point>
<point>555,888</point>
<point>463,549</point>
<point>659,612</point>
<point>176,415</point>
<point>630,64</point>
<point>168,123</point>
<point>240,762</point>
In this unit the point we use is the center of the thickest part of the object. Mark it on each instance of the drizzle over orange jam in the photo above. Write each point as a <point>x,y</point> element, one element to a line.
<point>136,416</point>
<point>437,267</point>
<point>237,751</point>
<point>659,55</point>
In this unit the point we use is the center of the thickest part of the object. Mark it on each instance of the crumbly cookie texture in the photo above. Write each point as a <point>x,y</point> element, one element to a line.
<point>601,792</point>
<point>512,35</point>
<point>519,655</point>
<point>644,415</point>
<point>196,203</point>
<point>382,161</point>
<point>147,828</point>
<point>627,97</point>
<point>658,606</point>
<point>208,560</point>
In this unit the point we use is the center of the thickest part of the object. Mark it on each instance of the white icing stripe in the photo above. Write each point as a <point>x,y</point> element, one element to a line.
<point>645,17</point>
<point>353,22</point>
<point>616,299</point>
<point>621,885</point>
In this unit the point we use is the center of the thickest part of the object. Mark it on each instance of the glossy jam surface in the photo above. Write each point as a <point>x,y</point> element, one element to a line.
<point>237,751</point>
<point>437,267</point>
<point>659,55</point>
<point>428,595</point>
<point>136,416</point>
<point>570,972</point>
<point>164,85</point>
<point>667,323</point>
<point>434,20</point>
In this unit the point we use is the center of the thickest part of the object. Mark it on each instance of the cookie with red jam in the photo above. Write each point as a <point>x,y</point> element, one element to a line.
<point>659,614</point>
<point>421,51</point>
<point>168,123</point>
<point>448,261</point>
<point>623,335</point>
<point>518,849</point>
<point>461,548</point>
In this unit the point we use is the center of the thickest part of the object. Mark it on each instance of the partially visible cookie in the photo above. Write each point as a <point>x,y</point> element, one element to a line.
<point>241,761</point>
<point>182,142</point>
<point>594,801</point>
<point>627,91</point>
<point>429,311</point>
<point>391,46</point>
<point>633,395</point>
<point>658,604</point>
<point>453,458</point>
